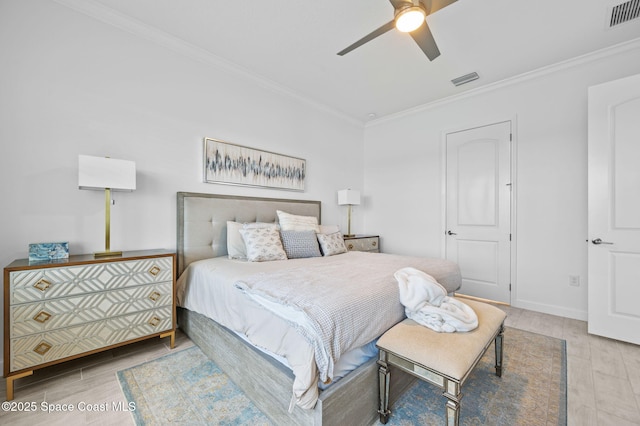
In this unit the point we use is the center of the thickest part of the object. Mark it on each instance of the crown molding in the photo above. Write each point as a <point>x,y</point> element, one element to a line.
<point>529,75</point>
<point>133,26</point>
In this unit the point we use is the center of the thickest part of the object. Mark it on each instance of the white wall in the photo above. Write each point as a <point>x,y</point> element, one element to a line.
<point>72,85</point>
<point>404,171</point>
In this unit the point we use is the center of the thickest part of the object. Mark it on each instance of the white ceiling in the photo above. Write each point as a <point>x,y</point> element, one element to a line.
<point>293,44</point>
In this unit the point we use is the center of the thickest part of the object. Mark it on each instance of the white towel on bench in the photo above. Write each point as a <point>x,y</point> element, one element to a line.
<point>426,302</point>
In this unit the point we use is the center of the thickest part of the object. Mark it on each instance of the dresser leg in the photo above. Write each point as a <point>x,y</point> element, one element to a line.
<point>172,335</point>
<point>10,380</point>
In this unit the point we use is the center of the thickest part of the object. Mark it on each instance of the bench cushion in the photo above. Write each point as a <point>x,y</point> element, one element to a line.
<point>451,354</point>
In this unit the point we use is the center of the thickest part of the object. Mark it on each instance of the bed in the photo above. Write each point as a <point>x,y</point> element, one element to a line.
<point>268,369</point>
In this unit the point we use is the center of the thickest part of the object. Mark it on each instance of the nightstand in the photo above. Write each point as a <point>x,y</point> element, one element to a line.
<point>370,243</point>
<point>59,310</point>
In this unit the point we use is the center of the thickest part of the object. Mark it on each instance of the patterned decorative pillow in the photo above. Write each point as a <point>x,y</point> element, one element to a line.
<point>300,244</point>
<point>332,244</point>
<point>236,248</point>
<point>292,222</point>
<point>263,244</point>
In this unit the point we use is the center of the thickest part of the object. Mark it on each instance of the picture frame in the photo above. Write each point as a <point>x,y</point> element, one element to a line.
<point>231,164</point>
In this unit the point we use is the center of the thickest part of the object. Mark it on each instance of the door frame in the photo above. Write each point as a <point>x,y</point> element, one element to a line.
<point>514,191</point>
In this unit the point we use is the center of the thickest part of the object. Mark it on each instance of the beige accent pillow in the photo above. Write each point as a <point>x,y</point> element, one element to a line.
<point>263,244</point>
<point>293,222</point>
<point>328,229</point>
<point>331,244</point>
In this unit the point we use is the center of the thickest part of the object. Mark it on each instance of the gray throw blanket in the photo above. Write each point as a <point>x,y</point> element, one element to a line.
<point>346,302</point>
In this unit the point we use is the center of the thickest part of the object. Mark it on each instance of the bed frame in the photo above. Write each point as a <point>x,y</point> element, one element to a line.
<point>201,228</point>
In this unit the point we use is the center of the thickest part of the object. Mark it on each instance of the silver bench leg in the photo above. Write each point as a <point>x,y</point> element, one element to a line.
<point>453,395</point>
<point>383,388</point>
<point>498,343</point>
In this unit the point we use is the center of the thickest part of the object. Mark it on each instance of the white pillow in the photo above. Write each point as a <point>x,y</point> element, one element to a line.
<point>328,229</point>
<point>293,222</point>
<point>331,244</point>
<point>235,243</point>
<point>236,248</point>
<point>263,244</point>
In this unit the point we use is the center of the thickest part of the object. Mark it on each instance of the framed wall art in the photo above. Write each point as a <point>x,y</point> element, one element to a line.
<point>232,164</point>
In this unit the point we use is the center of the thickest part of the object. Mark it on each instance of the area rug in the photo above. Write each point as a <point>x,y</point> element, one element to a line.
<point>186,387</point>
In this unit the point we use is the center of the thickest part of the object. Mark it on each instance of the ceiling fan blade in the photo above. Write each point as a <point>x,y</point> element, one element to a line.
<point>425,40</point>
<point>439,4</point>
<point>383,29</point>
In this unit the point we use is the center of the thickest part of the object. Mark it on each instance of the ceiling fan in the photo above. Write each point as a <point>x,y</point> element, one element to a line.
<point>409,17</point>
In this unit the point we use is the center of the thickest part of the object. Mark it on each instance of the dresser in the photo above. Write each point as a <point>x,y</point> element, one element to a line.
<point>370,243</point>
<point>59,310</point>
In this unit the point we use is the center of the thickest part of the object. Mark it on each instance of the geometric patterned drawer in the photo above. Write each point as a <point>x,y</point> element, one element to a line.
<point>37,349</point>
<point>41,284</point>
<point>371,244</point>
<point>32,318</point>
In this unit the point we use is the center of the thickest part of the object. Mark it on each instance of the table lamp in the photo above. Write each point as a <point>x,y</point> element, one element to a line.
<point>348,197</point>
<point>108,174</point>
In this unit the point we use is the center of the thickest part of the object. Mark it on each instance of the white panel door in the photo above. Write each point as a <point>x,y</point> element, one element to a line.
<point>614,209</point>
<point>479,209</point>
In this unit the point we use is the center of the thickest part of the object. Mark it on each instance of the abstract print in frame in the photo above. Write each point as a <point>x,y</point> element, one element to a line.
<point>238,165</point>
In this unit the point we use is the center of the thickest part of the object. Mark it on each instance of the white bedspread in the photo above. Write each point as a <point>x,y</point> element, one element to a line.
<point>207,287</point>
<point>426,302</point>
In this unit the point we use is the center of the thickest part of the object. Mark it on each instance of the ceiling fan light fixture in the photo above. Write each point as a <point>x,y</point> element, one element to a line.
<point>410,19</point>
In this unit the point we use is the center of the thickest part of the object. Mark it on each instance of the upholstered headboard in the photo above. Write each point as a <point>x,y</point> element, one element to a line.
<point>202,220</point>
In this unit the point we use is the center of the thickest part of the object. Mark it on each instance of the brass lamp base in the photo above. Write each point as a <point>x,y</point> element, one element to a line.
<point>349,234</point>
<point>108,254</point>
<point>107,229</point>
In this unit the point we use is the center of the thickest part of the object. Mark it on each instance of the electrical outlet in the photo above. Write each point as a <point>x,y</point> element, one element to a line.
<point>574,280</point>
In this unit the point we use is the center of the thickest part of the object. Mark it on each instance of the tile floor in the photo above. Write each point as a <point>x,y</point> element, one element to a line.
<point>603,378</point>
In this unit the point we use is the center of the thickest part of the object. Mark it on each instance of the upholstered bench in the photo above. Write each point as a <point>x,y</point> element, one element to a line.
<point>444,359</point>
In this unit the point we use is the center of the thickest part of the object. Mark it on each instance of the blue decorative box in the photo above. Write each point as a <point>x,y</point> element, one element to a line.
<point>48,251</point>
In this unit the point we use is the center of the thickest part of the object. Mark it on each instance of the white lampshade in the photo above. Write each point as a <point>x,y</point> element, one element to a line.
<point>103,172</point>
<point>348,197</point>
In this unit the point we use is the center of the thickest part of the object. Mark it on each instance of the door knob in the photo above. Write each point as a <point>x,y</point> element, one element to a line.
<point>451,233</point>
<point>599,241</point>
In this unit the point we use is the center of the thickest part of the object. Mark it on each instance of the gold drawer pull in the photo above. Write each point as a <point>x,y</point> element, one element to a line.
<point>154,296</point>
<point>374,243</point>
<point>154,271</point>
<point>42,317</point>
<point>350,246</point>
<point>153,322</point>
<point>42,348</point>
<point>42,285</point>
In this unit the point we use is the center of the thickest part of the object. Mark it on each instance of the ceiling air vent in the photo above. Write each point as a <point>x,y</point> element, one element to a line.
<point>624,12</point>
<point>466,78</point>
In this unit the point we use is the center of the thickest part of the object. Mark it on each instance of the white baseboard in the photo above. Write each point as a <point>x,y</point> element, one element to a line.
<point>551,309</point>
